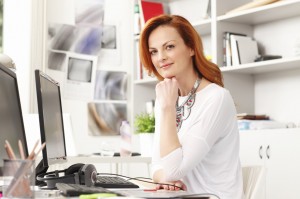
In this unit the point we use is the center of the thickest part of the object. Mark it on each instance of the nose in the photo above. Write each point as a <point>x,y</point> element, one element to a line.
<point>162,56</point>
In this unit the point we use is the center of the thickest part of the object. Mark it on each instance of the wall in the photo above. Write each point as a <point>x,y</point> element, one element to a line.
<point>16,43</point>
<point>116,12</point>
<point>278,93</point>
<point>24,40</point>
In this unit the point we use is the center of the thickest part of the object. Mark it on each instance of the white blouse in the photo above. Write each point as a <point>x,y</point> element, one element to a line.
<point>208,159</point>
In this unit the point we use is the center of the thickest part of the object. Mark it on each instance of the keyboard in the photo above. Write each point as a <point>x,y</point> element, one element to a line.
<point>114,182</point>
<point>77,189</point>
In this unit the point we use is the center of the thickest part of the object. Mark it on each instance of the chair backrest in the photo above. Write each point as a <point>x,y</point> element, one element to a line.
<point>253,180</point>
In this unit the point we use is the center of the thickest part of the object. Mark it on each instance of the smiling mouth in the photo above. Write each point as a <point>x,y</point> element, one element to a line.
<point>165,66</point>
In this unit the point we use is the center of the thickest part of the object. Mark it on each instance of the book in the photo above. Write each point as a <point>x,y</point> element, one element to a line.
<point>234,47</point>
<point>149,9</point>
<point>139,67</point>
<point>247,51</point>
<point>244,49</point>
<point>260,124</point>
<point>227,47</point>
<point>246,116</point>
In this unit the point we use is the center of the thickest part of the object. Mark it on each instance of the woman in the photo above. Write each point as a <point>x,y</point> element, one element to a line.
<point>196,140</point>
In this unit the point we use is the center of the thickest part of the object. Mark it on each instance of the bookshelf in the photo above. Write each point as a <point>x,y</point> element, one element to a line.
<point>203,26</point>
<point>265,66</point>
<point>276,11</point>
<point>268,87</point>
<point>259,23</point>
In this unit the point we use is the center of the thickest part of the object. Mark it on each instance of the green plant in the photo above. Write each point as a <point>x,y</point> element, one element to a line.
<point>144,123</point>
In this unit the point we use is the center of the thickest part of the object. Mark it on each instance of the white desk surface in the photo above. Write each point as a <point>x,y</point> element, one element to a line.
<point>100,159</point>
<point>138,193</point>
<point>154,194</point>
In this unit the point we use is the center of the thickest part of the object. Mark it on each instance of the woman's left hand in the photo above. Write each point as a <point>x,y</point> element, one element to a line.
<point>172,186</point>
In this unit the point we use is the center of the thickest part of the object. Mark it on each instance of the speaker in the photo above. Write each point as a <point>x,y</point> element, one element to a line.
<point>84,174</point>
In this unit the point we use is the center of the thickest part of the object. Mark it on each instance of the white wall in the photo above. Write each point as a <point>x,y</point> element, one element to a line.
<point>17,43</point>
<point>266,34</point>
<point>118,12</point>
<point>278,93</point>
<point>25,33</point>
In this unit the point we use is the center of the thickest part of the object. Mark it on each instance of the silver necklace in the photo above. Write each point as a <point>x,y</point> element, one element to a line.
<point>184,110</point>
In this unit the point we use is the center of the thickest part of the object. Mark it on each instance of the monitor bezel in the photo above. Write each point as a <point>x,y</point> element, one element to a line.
<point>46,160</point>
<point>14,76</point>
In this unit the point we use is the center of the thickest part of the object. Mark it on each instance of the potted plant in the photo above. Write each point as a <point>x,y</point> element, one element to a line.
<point>144,124</point>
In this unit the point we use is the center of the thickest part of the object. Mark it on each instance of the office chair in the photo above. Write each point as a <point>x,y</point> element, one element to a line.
<point>253,181</point>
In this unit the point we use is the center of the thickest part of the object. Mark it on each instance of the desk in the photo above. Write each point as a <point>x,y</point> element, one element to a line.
<point>131,193</point>
<point>116,160</point>
<point>54,194</point>
<point>135,193</point>
<point>110,160</point>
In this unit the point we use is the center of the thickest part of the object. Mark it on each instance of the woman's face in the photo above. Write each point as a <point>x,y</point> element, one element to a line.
<point>169,54</point>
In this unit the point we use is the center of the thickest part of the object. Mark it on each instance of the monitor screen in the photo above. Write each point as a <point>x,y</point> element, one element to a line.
<point>51,119</point>
<point>11,119</point>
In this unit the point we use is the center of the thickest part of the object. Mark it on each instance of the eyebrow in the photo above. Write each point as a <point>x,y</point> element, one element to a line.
<point>163,44</point>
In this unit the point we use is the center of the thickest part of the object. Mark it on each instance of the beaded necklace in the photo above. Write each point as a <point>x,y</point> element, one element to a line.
<point>184,110</point>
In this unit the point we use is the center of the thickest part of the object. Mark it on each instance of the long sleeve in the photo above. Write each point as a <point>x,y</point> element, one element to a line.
<point>209,152</point>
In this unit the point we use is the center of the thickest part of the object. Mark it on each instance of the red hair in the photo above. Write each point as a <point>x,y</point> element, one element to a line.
<point>205,68</point>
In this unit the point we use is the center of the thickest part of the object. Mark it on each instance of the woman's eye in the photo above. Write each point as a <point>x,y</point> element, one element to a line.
<point>170,46</point>
<point>153,52</point>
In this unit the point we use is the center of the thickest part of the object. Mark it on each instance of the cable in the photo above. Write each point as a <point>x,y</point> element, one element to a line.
<point>158,183</point>
<point>138,179</point>
<point>114,174</point>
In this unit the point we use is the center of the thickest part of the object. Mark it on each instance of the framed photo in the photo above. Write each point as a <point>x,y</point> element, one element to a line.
<point>105,118</point>
<point>80,77</point>
<point>56,60</point>
<point>110,53</point>
<point>110,85</point>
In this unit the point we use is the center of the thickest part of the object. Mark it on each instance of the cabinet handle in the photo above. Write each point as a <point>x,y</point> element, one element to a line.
<point>268,151</point>
<point>259,152</point>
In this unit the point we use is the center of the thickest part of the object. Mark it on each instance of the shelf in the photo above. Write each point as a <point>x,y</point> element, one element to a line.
<point>271,12</point>
<point>264,66</point>
<point>150,81</point>
<point>203,27</point>
<point>277,130</point>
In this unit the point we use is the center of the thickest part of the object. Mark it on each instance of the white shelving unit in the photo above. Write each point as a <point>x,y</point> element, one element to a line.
<point>243,81</point>
<point>264,14</point>
<point>269,87</point>
<point>265,66</point>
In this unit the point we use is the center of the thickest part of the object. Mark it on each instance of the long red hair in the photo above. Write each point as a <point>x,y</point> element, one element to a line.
<point>204,68</point>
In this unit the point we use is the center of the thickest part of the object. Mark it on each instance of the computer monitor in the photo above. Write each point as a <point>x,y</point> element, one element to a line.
<point>11,119</point>
<point>51,119</point>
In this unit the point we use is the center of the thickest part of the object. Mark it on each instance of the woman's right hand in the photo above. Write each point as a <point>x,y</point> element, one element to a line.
<point>167,92</point>
<point>172,186</point>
